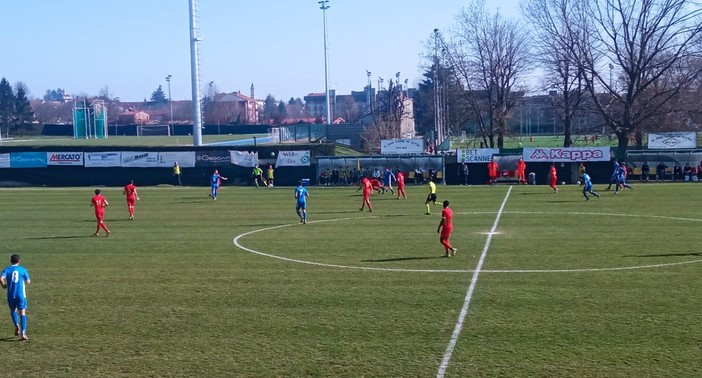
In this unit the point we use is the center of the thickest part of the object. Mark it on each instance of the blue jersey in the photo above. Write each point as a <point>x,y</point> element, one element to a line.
<point>16,277</point>
<point>301,194</point>
<point>587,182</point>
<point>214,180</point>
<point>389,176</point>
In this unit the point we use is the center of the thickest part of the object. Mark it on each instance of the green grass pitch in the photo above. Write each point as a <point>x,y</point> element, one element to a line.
<point>604,288</point>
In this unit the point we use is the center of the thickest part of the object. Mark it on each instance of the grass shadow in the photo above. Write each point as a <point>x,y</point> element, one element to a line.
<point>60,237</point>
<point>668,255</point>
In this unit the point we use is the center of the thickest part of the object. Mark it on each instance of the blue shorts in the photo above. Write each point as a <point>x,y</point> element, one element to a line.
<point>17,303</point>
<point>301,205</point>
<point>587,187</point>
<point>214,188</point>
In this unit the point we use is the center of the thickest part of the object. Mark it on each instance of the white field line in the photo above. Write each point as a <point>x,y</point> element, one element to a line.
<point>469,294</point>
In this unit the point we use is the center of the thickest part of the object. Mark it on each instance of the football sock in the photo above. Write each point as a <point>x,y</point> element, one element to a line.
<point>428,209</point>
<point>15,320</point>
<point>24,324</point>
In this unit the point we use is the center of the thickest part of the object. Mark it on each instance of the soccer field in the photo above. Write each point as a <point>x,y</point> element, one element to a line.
<point>543,284</point>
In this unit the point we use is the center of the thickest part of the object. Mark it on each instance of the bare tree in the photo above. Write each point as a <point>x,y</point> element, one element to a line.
<point>628,49</point>
<point>388,114</point>
<point>490,55</point>
<point>552,23</point>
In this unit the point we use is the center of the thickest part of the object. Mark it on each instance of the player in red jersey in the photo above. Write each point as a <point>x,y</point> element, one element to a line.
<point>521,169</point>
<point>401,185</point>
<point>492,171</point>
<point>130,190</point>
<point>99,203</point>
<point>445,228</point>
<point>553,177</point>
<point>367,191</point>
<point>377,185</point>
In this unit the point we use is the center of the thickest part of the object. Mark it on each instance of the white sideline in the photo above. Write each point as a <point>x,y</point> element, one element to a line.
<point>469,294</point>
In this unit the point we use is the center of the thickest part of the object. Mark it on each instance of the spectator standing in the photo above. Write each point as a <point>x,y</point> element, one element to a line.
<point>660,171</point>
<point>176,173</point>
<point>645,171</point>
<point>521,170</point>
<point>269,175</point>
<point>463,173</point>
<point>418,175</point>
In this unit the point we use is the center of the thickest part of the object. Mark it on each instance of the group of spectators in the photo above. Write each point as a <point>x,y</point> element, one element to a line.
<point>680,173</point>
<point>353,176</point>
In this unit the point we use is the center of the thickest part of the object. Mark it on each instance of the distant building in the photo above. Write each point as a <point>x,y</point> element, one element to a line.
<point>236,107</point>
<point>316,104</point>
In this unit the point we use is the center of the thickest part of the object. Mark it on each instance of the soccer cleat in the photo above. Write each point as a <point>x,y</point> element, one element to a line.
<point>453,251</point>
<point>304,222</point>
<point>17,330</point>
<point>24,337</point>
<point>587,199</point>
<point>361,209</point>
<point>96,234</point>
<point>108,233</point>
<point>447,254</point>
<point>427,213</point>
<point>301,220</point>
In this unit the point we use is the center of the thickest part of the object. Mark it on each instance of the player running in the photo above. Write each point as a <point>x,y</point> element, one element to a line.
<point>15,278</point>
<point>553,177</point>
<point>388,178</point>
<point>431,197</point>
<point>99,203</point>
<point>215,182</point>
<point>587,187</point>
<point>621,178</point>
<point>445,228</point>
<point>130,190</point>
<point>301,195</point>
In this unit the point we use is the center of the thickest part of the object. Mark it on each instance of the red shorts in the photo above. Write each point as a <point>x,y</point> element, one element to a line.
<point>99,217</point>
<point>552,181</point>
<point>446,232</point>
<point>131,201</point>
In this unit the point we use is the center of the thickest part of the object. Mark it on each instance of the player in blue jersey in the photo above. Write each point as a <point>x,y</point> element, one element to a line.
<point>388,178</point>
<point>301,195</point>
<point>14,278</point>
<point>215,182</point>
<point>587,187</point>
<point>615,172</point>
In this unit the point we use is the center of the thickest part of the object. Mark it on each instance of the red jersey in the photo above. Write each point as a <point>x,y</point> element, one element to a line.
<point>521,165</point>
<point>492,169</point>
<point>400,178</point>
<point>99,203</point>
<point>130,191</point>
<point>552,173</point>
<point>375,183</point>
<point>447,215</point>
<point>367,186</point>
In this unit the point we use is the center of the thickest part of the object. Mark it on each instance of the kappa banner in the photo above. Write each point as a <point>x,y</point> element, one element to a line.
<point>476,155</point>
<point>672,140</point>
<point>293,159</point>
<point>401,146</point>
<point>244,158</point>
<point>64,158</point>
<point>4,160</point>
<point>141,159</point>
<point>565,155</point>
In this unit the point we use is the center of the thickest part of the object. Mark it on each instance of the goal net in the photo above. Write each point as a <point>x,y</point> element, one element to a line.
<point>153,130</point>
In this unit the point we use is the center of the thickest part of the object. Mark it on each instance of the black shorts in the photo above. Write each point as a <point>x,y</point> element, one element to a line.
<point>431,197</point>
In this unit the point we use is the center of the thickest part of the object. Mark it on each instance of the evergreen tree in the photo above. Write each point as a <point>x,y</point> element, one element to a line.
<point>270,109</point>
<point>7,106</point>
<point>158,96</point>
<point>23,110</point>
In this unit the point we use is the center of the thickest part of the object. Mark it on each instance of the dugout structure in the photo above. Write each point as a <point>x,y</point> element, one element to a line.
<point>89,120</point>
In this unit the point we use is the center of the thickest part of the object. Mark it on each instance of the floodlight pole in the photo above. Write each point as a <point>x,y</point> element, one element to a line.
<point>195,74</point>
<point>324,7</point>
<point>170,102</point>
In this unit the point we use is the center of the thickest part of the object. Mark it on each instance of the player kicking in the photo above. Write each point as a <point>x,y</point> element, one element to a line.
<point>445,228</point>
<point>301,195</point>
<point>130,191</point>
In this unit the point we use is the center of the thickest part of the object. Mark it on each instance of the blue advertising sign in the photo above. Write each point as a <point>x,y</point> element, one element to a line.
<point>27,159</point>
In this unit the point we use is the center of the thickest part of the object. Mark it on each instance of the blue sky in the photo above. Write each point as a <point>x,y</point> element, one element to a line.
<point>130,46</point>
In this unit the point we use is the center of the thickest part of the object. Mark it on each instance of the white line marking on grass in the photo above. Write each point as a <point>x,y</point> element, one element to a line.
<point>469,293</point>
<point>338,266</point>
